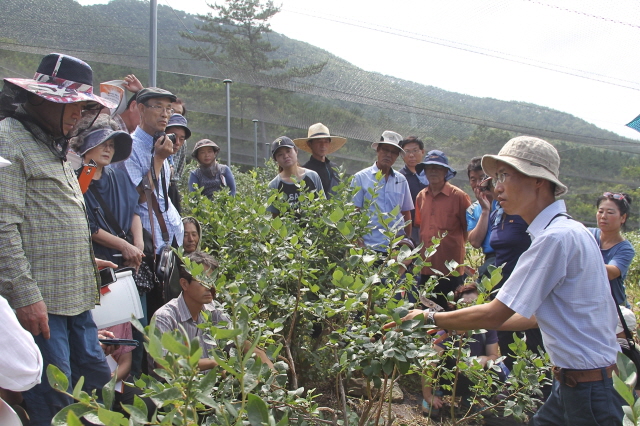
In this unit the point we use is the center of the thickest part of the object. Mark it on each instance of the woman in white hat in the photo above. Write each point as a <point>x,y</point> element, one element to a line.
<point>291,175</point>
<point>211,175</point>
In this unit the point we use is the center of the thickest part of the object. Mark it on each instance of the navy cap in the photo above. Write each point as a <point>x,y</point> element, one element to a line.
<point>177,120</point>
<point>437,158</point>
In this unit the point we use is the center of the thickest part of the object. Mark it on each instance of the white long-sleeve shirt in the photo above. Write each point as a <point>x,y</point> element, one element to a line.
<point>20,358</point>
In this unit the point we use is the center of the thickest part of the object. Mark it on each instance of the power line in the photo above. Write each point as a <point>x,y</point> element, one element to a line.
<point>471,49</point>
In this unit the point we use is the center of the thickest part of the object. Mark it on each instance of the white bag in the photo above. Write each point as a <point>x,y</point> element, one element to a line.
<point>119,303</point>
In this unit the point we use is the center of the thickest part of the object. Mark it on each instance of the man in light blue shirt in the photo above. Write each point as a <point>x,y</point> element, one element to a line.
<point>155,110</point>
<point>559,284</point>
<point>391,188</point>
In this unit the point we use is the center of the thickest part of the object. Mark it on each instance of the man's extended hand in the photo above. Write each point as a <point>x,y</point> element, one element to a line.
<point>411,315</point>
<point>34,319</point>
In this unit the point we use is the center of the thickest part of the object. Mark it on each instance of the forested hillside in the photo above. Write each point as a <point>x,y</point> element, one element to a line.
<point>113,38</point>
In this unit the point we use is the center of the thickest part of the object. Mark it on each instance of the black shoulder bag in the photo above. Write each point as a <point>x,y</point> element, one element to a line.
<point>166,262</point>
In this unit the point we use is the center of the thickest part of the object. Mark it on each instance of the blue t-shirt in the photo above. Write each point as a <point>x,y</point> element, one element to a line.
<point>473,216</point>
<point>509,239</point>
<point>621,255</point>
<point>121,197</point>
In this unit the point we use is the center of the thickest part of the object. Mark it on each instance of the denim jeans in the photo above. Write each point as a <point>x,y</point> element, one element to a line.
<point>74,349</point>
<point>590,403</point>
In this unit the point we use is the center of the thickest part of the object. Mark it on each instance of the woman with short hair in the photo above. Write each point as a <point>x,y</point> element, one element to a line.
<point>617,252</point>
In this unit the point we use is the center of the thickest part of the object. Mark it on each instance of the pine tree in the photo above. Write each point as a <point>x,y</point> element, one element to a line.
<point>232,36</point>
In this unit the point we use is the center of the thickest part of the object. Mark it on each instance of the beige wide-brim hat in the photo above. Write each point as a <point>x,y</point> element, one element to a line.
<point>320,131</point>
<point>530,156</point>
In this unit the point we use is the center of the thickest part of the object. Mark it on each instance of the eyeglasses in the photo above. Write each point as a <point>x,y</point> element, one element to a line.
<point>160,108</point>
<point>614,195</point>
<point>412,151</point>
<point>501,177</point>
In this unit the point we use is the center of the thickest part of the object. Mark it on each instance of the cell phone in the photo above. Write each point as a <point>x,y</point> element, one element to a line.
<point>107,276</point>
<point>121,342</point>
<point>85,175</point>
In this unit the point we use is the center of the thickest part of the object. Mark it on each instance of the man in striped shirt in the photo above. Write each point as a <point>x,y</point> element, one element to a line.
<point>189,308</point>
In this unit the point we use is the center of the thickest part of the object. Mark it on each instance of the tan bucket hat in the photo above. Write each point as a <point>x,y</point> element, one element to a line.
<point>201,144</point>
<point>530,156</point>
<point>320,131</point>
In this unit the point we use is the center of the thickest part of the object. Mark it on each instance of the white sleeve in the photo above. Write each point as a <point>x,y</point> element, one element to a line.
<point>20,358</point>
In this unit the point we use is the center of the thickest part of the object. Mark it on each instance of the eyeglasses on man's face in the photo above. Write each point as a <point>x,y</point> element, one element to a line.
<point>160,108</point>
<point>502,177</point>
<point>412,151</point>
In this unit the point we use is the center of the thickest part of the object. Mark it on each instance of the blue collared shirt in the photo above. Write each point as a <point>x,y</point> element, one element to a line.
<point>137,166</point>
<point>562,280</point>
<point>473,216</point>
<point>392,192</point>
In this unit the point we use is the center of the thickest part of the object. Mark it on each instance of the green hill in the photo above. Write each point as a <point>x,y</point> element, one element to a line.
<point>113,38</point>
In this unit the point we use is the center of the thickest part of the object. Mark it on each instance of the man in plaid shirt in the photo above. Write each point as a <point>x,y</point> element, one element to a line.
<point>47,270</point>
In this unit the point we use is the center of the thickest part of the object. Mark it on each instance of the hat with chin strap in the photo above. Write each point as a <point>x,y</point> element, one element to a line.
<point>62,79</point>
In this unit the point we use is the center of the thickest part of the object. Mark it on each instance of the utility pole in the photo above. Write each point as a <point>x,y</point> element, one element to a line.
<point>255,142</point>
<point>228,82</point>
<point>153,43</point>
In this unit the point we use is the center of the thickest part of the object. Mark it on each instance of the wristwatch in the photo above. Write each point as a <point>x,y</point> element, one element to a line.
<point>430,318</point>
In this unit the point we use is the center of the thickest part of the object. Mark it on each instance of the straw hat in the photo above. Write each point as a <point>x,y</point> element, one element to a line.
<point>530,156</point>
<point>320,131</point>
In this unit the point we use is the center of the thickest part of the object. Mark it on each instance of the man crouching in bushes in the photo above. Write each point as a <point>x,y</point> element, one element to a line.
<point>187,309</point>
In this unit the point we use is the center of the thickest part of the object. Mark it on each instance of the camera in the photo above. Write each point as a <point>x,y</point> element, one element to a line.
<point>158,135</point>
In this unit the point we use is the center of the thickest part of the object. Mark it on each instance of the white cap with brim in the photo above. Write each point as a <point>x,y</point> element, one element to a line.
<point>389,138</point>
<point>530,156</point>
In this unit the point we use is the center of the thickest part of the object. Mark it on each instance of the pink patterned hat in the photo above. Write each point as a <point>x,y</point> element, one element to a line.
<point>62,79</point>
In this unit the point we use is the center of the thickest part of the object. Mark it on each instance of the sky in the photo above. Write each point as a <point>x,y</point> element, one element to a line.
<point>574,56</point>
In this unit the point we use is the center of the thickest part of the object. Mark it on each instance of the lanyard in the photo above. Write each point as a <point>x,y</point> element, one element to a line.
<point>163,180</point>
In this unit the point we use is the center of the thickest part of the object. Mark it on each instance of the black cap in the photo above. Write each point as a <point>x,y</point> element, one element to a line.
<point>279,143</point>
<point>154,92</point>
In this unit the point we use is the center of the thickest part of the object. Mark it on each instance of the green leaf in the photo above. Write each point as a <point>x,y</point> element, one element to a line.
<point>336,215</point>
<point>57,379</point>
<point>78,410</point>
<point>110,418</point>
<point>73,420</point>
<point>276,223</point>
<point>225,333</point>
<point>169,394</point>
<point>139,404</point>
<point>170,343</point>
<point>623,389</point>
<point>257,410</point>
<point>284,421</point>
<point>78,388</point>
<point>108,391</point>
